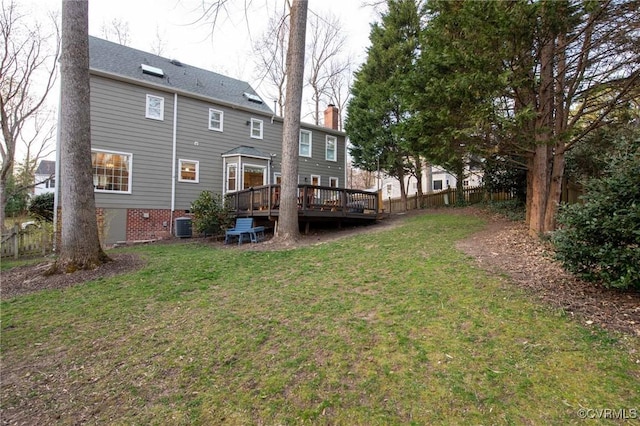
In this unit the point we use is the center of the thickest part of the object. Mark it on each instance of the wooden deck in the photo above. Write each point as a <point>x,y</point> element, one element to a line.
<point>315,203</point>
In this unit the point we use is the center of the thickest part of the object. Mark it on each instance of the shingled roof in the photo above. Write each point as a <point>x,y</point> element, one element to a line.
<point>247,151</point>
<point>127,62</point>
<point>46,167</point>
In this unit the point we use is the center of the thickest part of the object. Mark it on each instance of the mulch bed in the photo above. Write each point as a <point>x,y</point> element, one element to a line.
<point>506,247</point>
<point>30,278</point>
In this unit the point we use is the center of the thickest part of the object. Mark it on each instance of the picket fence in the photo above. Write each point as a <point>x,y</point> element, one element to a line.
<point>445,198</point>
<point>33,241</point>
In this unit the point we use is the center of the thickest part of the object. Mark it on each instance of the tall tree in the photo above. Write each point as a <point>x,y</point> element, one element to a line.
<point>117,30</point>
<point>327,66</point>
<point>326,44</point>
<point>339,86</point>
<point>80,245</point>
<point>28,68</point>
<point>288,227</point>
<point>380,104</point>
<point>271,53</point>
<point>557,62</point>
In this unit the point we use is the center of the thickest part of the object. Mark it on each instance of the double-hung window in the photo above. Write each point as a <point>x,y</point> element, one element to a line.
<point>189,171</point>
<point>331,148</point>
<point>111,171</point>
<point>256,128</point>
<point>305,143</point>
<point>155,107</point>
<point>232,177</point>
<point>216,118</point>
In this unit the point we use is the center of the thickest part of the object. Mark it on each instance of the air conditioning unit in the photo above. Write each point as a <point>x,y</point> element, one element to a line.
<point>183,227</point>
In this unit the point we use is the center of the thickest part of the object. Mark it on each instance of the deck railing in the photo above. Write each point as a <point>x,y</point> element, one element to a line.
<point>311,200</point>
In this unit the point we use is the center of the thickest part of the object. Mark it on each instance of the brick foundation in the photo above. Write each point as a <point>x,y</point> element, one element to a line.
<point>150,224</point>
<point>142,224</point>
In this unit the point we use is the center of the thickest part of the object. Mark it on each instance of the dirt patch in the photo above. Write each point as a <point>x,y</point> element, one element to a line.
<point>502,247</point>
<point>30,278</point>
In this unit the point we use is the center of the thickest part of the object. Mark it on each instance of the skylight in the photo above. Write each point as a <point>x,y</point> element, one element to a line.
<point>148,69</point>
<point>253,98</point>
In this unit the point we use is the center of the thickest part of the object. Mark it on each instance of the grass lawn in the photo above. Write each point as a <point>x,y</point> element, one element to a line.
<point>394,327</point>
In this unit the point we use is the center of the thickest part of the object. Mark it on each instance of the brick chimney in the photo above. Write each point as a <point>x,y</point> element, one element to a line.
<point>331,117</point>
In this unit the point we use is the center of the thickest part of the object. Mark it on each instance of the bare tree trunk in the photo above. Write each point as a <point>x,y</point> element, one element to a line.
<point>543,135</point>
<point>403,189</point>
<point>529,198</point>
<point>561,119</point>
<point>419,194</point>
<point>288,228</point>
<point>80,244</point>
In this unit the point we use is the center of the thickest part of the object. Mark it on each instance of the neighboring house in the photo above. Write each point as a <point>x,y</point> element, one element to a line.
<point>163,131</point>
<point>440,179</point>
<point>45,177</point>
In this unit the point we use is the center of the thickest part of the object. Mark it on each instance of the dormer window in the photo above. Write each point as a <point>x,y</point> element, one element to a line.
<point>148,69</point>
<point>253,98</point>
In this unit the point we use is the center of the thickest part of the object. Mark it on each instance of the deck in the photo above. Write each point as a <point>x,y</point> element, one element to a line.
<point>315,203</point>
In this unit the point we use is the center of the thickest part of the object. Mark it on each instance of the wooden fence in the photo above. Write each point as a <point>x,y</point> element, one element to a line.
<point>33,241</point>
<point>447,197</point>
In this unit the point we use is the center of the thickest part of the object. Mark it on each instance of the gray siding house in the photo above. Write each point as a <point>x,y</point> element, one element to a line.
<point>163,131</point>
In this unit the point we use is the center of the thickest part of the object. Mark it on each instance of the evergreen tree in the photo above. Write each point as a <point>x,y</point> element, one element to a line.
<point>544,75</point>
<point>379,109</point>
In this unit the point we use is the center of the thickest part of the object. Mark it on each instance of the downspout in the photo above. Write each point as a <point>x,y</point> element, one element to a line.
<point>173,160</point>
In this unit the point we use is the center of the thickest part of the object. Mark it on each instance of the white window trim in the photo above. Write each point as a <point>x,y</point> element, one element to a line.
<point>106,151</point>
<point>335,148</point>
<point>253,122</point>
<point>319,180</point>
<point>226,180</point>
<point>148,114</point>
<point>257,166</point>
<point>184,160</point>
<point>212,111</point>
<point>334,179</point>
<point>310,143</point>
<point>276,175</point>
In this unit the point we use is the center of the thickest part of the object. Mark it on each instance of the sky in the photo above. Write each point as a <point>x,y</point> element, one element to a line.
<point>228,48</point>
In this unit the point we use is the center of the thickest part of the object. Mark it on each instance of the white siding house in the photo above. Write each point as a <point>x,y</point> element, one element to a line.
<point>45,177</point>
<point>440,180</point>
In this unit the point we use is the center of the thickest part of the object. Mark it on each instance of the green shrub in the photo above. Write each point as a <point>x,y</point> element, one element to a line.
<point>17,198</point>
<point>210,216</point>
<point>41,206</point>
<point>600,239</point>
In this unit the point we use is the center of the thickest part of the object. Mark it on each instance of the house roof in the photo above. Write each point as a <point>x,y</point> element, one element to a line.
<point>247,151</point>
<point>136,64</point>
<point>46,167</point>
